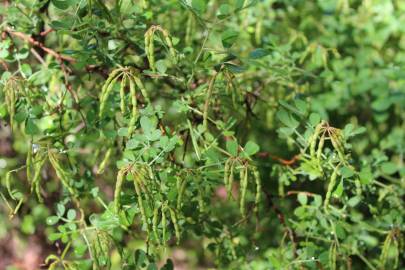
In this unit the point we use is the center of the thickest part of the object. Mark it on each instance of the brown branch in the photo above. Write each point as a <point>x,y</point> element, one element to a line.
<point>287,162</point>
<point>36,43</point>
<point>310,194</point>
<point>46,32</point>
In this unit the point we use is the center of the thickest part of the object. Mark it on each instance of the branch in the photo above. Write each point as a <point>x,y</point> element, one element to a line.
<point>36,43</point>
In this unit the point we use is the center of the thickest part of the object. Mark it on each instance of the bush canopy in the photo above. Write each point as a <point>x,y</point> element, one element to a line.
<point>196,134</point>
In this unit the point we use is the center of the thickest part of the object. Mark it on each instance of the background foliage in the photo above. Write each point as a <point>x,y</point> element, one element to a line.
<point>226,134</point>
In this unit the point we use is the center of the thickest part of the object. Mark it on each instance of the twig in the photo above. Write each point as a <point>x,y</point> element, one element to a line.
<point>287,162</point>
<point>36,43</point>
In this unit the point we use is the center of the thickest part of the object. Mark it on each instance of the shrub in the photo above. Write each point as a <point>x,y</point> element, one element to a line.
<point>247,134</point>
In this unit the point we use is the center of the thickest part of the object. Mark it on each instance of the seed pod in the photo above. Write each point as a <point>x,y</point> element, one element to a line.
<point>210,89</point>
<point>141,206</point>
<point>320,147</point>
<point>243,187</point>
<point>151,50</point>
<point>35,181</point>
<point>134,115</point>
<point>8,185</point>
<point>331,185</point>
<point>122,93</point>
<point>189,28</point>
<point>155,224</point>
<point>60,172</point>
<point>314,137</point>
<point>200,199</point>
<point>28,162</point>
<point>163,224</point>
<point>180,193</point>
<point>117,192</point>
<point>258,189</point>
<point>358,186</point>
<point>172,51</point>
<point>104,161</point>
<point>226,173</point>
<point>104,97</point>
<point>332,256</point>
<point>142,88</point>
<point>107,83</point>
<point>173,217</point>
<point>258,31</point>
<point>338,147</point>
<point>230,180</point>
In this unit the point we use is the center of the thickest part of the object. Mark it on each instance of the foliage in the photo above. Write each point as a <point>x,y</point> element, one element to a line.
<point>252,134</point>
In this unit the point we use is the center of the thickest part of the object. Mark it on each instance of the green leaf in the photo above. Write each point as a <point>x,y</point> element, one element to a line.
<point>71,214</point>
<point>259,53</point>
<point>302,198</point>
<point>232,147</point>
<point>346,172</point>
<point>52,220</point>
<point>31,128</point>
<point>388,168</point>
<point>229,37</point>
<point>64,4</point>
<point>287,119</point>
<point>199,5</point>
<point>251,148</point>
<point>339,190</point>
<point>314,119</point>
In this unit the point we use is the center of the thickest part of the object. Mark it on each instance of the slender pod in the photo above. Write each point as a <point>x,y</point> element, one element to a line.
<point>230,180</point>
<point>332,255</point>
<point>210,89</point>
<point>243,186</point>
<point>35,181</point>
<point>117,191</point>
<point>331,185</point>
<point>141,205</point>
<point>29,162</point>
<point>104,97</point>
<point>226,172</point>
<point>141,87</point>
<point>122,93</point>
<point>60,172</point>
<point>173,217</point>
<point>107,83</point>
<point>314,137</point>
<point>134,115</point>
<point>163,224</point>
<point>320,147</point>
<point>105,160</point>
<point>338,147</point>
<point>256,175</point>
<point>155,224</point>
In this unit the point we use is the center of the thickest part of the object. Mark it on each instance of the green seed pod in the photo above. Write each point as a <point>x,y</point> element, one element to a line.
<point>8,185</point>
<point>155,224</point>
<point>210,90</point>
<point>314,137</point>
<point>141,205</point>
<point>104,97</point>
<point>163,224</point>
<point>332,256</point>
<point>331,185</point>
<point>258,31</point>
<point>122,93</point>
<point>226,173</point>
<point>256,175</point>
<point>117,191</point>
<point>151,50</point>
<point>28,162</point>
<point>173,217</point>
<point>134,115</point>
<point>104,161</point>
<point>142,88</point>
<point>230,180</point>
<point>243,187</point>
<point>180,191</point>
<point>320,147</point>
<point>35,181</point>
<point>172,51</point>
<point>60,172</point>
<point>358,186</point>
<point>338,147</point>
<point>107,83</point>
